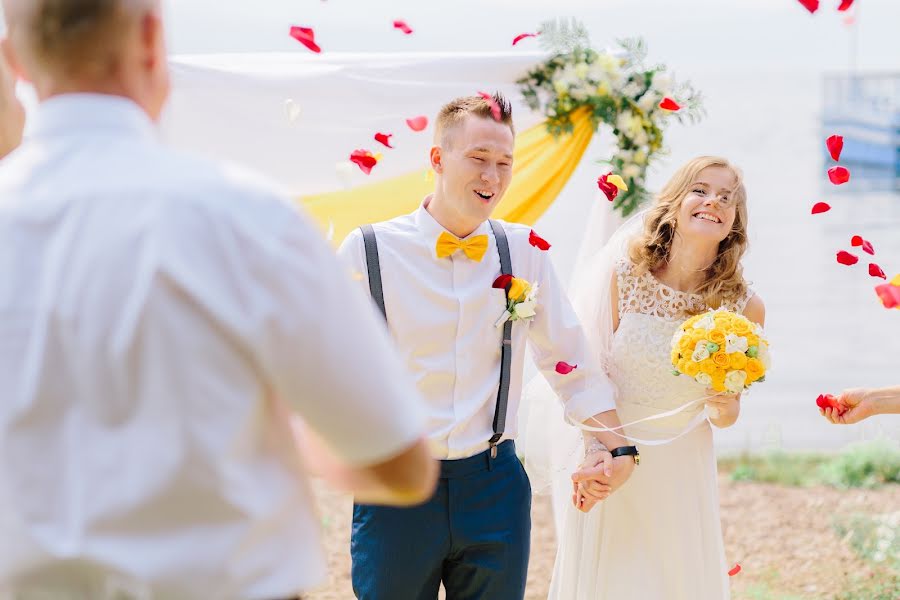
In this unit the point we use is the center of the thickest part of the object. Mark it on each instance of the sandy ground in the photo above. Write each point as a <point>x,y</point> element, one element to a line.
<point>782,537</point>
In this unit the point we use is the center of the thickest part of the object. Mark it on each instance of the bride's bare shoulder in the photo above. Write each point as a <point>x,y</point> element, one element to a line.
<point>755,309</point>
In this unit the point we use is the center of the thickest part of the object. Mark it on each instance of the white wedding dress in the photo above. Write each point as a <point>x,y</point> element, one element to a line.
<point>659,537</point>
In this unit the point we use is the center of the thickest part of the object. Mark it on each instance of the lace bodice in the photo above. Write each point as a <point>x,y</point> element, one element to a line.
<point>649,313</point>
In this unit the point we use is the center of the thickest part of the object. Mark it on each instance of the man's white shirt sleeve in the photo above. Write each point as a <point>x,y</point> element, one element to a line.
<point>310,327</point>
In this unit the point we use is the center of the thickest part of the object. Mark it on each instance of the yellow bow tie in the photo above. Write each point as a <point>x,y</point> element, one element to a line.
<point>474,247</point>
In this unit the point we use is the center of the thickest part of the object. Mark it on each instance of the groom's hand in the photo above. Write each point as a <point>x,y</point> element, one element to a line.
<point>592,484</point>
<point>585,495</point>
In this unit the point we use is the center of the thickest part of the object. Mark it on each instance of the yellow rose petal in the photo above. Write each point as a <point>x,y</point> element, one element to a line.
<point>517,288</point>
<point>617,181</point>
<point>708,366</point>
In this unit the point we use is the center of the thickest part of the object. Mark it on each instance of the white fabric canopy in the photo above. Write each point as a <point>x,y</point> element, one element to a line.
<point>232,106</point>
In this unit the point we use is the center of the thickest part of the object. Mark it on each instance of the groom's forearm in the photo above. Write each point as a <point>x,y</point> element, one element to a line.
<point>610,420</point>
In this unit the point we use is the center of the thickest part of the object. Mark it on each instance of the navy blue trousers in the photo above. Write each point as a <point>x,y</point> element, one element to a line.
<point>473,535</point>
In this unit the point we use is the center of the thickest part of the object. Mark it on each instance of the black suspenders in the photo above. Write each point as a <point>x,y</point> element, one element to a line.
<point>374,269</point>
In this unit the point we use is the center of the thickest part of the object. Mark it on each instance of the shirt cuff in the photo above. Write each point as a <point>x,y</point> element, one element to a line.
<point>596,399</point>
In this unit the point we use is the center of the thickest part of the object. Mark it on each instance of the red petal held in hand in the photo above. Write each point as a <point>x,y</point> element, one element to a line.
<point>402,26</point>
<point>838,175</point>
<point>669,104</point>
<point>417,123</point>
<point>384,138</point>
<point>867,248</point>
<point>522,36</point>
<point>564,368</point>
<point>810,5</point>
<point>501,282</point>
<point>875,271</point>
<point>306,36</point>
<point>734,570</point>
<point>828,401</point>
<point>820,207</point>
<point>537,241</point>
<point>845,258</point>
<point>856,240</point>
<point>845,5</point>
<point>364,160</point>
<point>835,144</point>
<point>889,295</point>
<point>495,108</point>
<point>607,188</point>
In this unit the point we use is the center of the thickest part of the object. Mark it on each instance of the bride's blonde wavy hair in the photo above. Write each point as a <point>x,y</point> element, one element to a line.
<point>650,250</point>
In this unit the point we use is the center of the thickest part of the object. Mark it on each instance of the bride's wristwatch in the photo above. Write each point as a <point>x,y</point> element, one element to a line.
<point>627,451</point>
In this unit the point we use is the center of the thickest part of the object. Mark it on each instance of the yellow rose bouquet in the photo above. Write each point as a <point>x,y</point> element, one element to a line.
<point>721,350</point>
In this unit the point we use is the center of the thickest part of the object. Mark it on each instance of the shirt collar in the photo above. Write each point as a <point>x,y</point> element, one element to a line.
<point>431,229</point>
<point>68,114</point>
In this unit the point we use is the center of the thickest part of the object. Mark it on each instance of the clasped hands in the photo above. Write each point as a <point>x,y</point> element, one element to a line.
<point>599,475</point>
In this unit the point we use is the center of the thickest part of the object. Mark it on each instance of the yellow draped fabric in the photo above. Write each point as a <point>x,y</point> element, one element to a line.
<point>541,167</point>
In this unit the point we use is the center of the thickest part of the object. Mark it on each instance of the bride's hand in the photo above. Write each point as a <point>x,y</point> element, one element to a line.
<point>587,494</point>
<point>723,408</point>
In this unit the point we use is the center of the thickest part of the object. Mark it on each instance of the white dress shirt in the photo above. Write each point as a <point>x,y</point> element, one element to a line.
<point>152,307</point>
<point>442,313</point>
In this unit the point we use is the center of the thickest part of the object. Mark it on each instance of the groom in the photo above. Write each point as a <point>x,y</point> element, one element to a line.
<point>432,275</point>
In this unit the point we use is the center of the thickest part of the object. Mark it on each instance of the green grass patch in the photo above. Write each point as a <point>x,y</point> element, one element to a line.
<point>881,586</point>
<point>876,539</point>
<point>860,465</point>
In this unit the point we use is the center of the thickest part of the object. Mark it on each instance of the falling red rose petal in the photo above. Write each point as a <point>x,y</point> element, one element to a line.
<point>537,241</point>
<point>306,36</point>
<point>564,368</point>
<point>820,207</point>
<point>888,294</point>
<point>669,104</point>
<point>734,570</point>
<point>522,36</point>
<point>856,240</point>
<point>810,5</point>
<point>845,258</point>
<point>875,271</point>
<point>364,160</point>
<point>607,188</point>
<point>835,145</point>
<point>417,123</point>
<point>402,26</point>
<point>867,247</point>
<point>845,5</point>
<point>838,175</point>
<point>495,108</point>
<point>384,138</point>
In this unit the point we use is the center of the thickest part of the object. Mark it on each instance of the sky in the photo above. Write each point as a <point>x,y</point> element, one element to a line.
<point>685,34</point>
<point>720,34</point>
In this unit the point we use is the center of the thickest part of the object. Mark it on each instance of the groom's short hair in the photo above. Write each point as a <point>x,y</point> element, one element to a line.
<point>71,37</point>
<point>454,112</point>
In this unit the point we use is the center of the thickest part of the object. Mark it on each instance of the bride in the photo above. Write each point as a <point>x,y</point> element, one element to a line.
<point>659,537</point>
